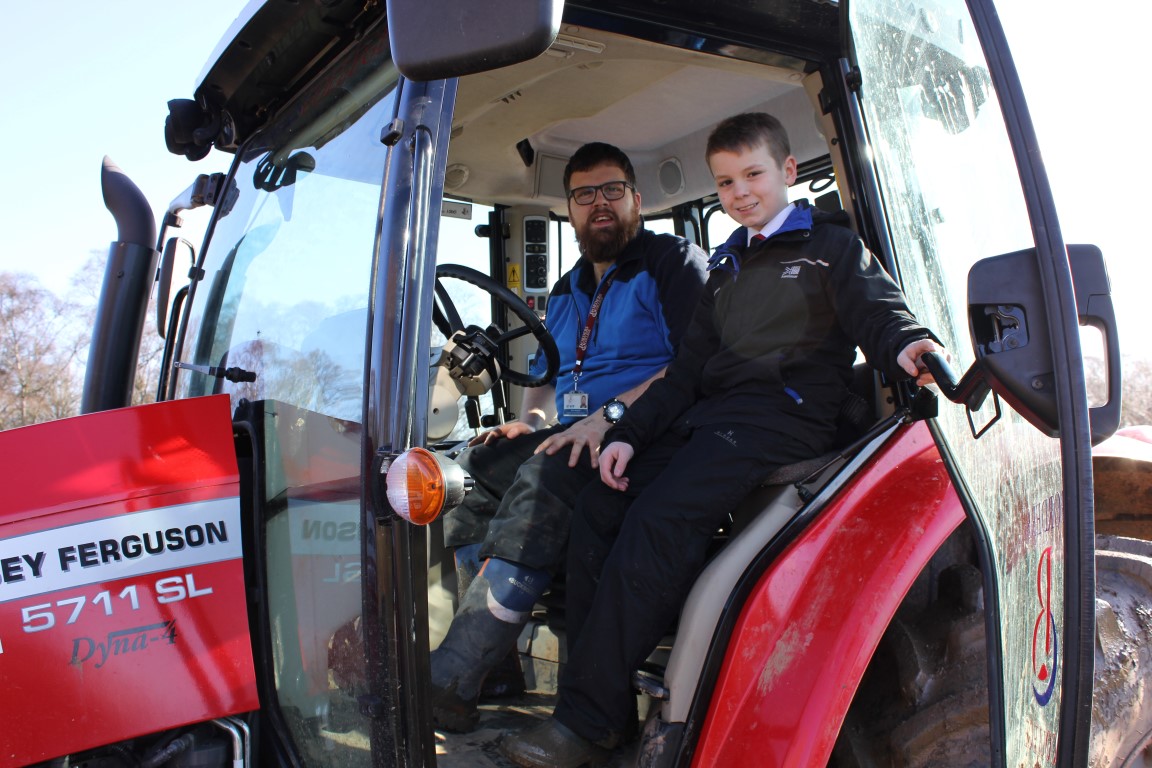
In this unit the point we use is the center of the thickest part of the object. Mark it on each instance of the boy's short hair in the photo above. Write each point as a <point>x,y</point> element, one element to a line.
<point>598,153</point>
<point>747,131</point>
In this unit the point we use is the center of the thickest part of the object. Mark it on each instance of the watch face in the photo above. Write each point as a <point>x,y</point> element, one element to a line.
<point>614,411</point>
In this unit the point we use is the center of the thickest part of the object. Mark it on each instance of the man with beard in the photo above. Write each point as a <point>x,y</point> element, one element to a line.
<point>617,317</point>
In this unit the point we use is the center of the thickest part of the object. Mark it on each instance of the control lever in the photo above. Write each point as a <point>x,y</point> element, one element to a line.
<point>969,391</point>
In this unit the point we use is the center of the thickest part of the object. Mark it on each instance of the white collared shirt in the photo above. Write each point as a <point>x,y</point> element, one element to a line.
<point>775,224</point>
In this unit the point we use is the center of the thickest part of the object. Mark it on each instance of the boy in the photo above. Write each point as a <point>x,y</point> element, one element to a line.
<point>756,384</point>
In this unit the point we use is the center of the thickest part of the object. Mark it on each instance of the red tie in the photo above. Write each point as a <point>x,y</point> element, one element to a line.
<point>757,238</point>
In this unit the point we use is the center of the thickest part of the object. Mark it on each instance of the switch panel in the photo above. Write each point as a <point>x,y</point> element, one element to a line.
<point>536,255</point>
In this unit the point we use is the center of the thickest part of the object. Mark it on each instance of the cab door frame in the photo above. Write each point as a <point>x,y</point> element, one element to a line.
<point>395,411</point>
<point>1061,321</point>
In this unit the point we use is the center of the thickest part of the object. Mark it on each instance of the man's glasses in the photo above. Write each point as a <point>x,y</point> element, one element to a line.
<point>612,190</point>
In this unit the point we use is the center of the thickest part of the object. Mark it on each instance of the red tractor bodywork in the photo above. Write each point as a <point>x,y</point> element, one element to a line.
<point>807,633</point>
<point>122,604</point>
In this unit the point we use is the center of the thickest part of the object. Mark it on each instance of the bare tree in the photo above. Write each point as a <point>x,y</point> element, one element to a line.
<point>1137,399</point>
<point>39,380</point>
<point>1136,378</point>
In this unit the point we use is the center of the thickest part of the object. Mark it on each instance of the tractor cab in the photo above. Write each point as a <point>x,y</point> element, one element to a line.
<point>372,292</point>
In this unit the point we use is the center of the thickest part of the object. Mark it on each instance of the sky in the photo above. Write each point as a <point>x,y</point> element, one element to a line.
<point>97,83</point>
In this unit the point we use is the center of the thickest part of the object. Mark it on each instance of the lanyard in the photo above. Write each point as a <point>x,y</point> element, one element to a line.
<point>593,313</point>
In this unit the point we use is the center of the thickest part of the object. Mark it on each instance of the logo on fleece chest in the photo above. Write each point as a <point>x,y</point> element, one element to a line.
<point>777,297</point>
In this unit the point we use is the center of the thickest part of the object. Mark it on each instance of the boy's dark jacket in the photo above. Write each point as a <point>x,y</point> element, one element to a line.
<point>773,338</point>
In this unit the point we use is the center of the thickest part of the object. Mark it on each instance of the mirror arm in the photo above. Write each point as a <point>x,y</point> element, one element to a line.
<point>970,390</point>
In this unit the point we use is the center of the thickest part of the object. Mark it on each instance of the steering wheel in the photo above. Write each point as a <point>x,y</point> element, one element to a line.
<point>448,321</point>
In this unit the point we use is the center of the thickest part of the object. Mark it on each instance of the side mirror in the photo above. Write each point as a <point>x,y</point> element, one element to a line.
<point>439,39</point>
<point>1007,321</point>
<point>1008,325</point>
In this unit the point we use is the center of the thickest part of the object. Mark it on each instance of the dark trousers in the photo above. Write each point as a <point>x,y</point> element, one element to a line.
<point>521,505</point>
<point>633,557</point>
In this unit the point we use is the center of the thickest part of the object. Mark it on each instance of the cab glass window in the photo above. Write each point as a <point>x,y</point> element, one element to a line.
<point>952,196</point>
<point>284,301</point>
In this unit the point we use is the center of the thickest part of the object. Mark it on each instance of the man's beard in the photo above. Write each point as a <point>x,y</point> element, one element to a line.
<point>601,245</point>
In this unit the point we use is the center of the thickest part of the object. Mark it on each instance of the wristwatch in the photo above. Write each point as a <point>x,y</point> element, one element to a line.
<point>614,411</point>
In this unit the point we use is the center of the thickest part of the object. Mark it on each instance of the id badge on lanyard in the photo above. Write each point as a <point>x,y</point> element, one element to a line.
<point>575,403</point>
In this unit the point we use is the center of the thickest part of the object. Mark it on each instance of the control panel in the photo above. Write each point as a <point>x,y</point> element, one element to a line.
<point>536,281</point>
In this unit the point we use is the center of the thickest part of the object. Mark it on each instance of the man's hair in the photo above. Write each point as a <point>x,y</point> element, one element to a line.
<point>598,153</point>
<point>746,132</point>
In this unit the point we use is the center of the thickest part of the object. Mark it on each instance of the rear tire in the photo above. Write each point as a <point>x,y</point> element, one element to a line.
<point>1122,693</point>
<point>923,701</point>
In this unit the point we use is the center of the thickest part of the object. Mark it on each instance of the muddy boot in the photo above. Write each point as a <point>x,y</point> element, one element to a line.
<point>487,623</point>
<point>507,677</point>
<point>552,745</point>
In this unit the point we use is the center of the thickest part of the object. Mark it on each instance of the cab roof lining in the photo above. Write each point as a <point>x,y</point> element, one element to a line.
<point>655,102</point>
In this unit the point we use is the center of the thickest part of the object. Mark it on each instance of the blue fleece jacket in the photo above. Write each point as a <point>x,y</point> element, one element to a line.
<point>643,316</point>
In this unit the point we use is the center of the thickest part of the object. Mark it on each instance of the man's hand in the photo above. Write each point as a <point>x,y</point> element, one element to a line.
<point>613,462</point>
<point>909,359</point>
<point>510,430</point>
<point>587,433</point>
